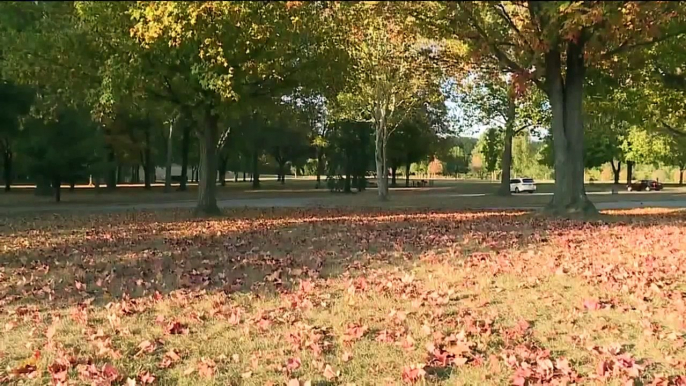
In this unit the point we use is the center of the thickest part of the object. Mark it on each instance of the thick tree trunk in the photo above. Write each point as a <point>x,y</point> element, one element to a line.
<point>56,185</point>
<point>566,98</point>
<point>394,169</point>
<point>207,186</point>
<point>244,179</point>
<point>235,176</point>
<point>112,172</point>
<point>255,170</point>
<point>681,176</point>
<point>168,165</point>
<point>407,175</point>
<point>616,170</point>
<point>504,189</point>
<point>629,172</point>
<point>185,148</point>
<point>7,162</point>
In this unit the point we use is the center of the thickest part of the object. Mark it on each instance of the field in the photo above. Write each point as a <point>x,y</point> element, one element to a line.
<point>343,296</point>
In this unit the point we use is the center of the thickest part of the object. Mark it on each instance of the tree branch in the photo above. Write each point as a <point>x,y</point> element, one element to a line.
<point>672,130</point>
<point>524,127</point>
<point>506,16</point>
<point>625,46</point>
<point>502,56</point>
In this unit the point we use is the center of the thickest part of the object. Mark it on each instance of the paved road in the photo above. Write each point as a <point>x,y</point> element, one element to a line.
<point>295,202</point>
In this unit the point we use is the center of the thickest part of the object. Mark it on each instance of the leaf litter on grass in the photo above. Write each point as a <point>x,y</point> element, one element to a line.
<point>344,296</point>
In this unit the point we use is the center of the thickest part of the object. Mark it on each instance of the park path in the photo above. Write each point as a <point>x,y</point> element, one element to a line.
<point>292,202</point>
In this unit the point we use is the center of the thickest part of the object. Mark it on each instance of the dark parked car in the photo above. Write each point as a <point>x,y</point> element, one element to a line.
<point>647,185</point>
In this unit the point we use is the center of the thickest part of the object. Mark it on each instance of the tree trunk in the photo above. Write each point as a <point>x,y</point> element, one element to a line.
<point>112,172</point>
<point>185,148</point>
<point>320,157</point>
<point>244,176</point>
<point>616,170</point>
<point>504,189</point>
<point>407,175</point>
<point>629,172</point>
<point>681,176</point>
<point>380,157</point>
<point>8,170</point>
<point>255,170</point>
<point>207,198</point>
<point>223,161</point>
<point>56,185</point>
<point>394,169</point>
<point>282,171</point>
<point>72,185</point>
<point>235,176</point>
<point>168,165</point>
<point>149,171</point>
<point>566,97</point>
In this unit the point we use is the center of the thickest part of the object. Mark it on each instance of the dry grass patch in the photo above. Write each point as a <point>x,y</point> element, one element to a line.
<point>343,297</point>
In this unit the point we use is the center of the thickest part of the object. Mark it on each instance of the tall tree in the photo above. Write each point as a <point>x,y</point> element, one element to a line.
<point>552,44</point>
<point>15,102</point>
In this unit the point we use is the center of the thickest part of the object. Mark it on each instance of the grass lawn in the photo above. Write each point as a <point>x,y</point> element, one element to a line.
<point>343,296</point>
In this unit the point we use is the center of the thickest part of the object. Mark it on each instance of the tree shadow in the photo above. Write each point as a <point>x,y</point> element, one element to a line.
<point>257,249</point>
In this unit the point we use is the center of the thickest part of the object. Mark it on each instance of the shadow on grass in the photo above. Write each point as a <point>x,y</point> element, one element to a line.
<point>105,258</point>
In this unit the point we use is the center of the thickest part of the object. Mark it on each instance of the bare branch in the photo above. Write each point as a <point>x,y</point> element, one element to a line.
<point>672,130</point>
<point>506,16</point>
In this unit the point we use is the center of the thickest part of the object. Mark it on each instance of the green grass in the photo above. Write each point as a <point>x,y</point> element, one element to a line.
<point>364,292</point>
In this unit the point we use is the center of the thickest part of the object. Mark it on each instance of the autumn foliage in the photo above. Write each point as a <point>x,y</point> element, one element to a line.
<point>299,297</point>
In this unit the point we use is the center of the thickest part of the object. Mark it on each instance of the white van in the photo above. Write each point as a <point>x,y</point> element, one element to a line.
<point>518,185</point>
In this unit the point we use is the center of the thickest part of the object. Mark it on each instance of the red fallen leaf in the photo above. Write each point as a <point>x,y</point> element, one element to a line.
<point>145,347</point>
<point>591,304</point>
<point>264,324</point>
<point>170,357</point>
<point>329,374</point>
<point>293,364</point>
<point>146,378</point>
<point>206,368</point>
<point>176,328</point>
<point>109,372</point>
<point>354,332</point>
<point>413,373</point>
<point>58,370</point>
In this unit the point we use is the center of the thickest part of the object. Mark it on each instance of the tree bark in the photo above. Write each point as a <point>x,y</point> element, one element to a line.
<point>681,176</point>
<point>112,172</point>
<point>207,186</point>
<point>223,161</point>
<point>407,175</point>
<point>185,148</point>
<point>394,169</point>
<point>282,171</point>
<point>168,166</point>
<point>56,185</point>
<point>629,172</point>
<point>616,170</point>
<point>235,176</point>
<point>147,155</point>
<point>7,162</point>
<point>320,157</point>
<point>504,189</point>
<point>244,176</point>
<point>255,170</point>
<point>380,157</point>
<point>566,97</point>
